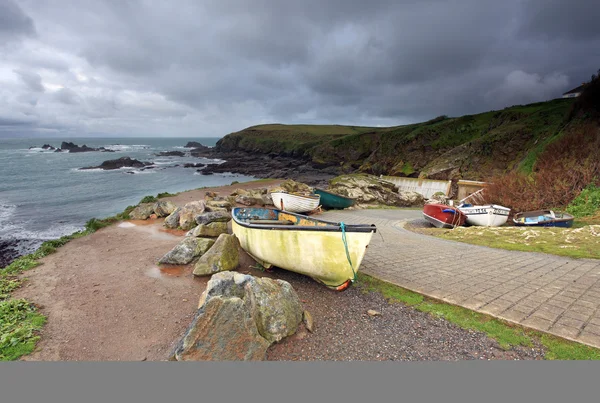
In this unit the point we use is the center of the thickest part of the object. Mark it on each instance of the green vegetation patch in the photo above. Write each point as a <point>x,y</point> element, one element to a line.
<point>587,203</point>
<point>19,323</point>
<point>507,335</point>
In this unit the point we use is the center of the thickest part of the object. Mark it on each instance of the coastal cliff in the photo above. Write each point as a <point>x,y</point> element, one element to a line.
<point>472,146</point>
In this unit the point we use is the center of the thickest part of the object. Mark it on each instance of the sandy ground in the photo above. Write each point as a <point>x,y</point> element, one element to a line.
<point>106,299</point>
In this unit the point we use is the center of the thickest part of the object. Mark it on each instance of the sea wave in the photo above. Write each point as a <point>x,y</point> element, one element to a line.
<point>6,210</point>
<point>126,147</point>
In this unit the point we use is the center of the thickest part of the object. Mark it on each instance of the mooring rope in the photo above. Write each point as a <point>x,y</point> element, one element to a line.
<point>343,227</point>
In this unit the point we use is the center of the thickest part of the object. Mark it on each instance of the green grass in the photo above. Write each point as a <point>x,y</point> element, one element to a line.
<point>578,242</point>
<point>19,324</point>
<point>507,335</point>
<point>587,203</point>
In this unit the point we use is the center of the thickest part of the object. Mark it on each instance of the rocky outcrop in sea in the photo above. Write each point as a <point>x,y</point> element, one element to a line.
<point>120,163</point>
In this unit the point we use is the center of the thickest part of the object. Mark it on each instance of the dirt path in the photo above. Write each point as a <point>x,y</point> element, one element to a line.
<point>105,297</point>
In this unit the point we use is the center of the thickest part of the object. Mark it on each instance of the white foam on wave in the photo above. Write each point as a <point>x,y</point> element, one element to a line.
<point>126,147</point>
<point>20,231</point>
<point>6,210</point>
<point>136,172</point>
<point>87,170</point>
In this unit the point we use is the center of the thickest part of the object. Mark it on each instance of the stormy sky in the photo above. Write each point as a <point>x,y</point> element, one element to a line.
<point>207,68</point>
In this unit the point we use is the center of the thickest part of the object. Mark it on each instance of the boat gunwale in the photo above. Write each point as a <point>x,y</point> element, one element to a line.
<point>309,196</point>
<point>331,227</point>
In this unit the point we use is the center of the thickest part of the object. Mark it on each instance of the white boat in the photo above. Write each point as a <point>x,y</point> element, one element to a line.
<point>331,253</point>
<point>295,203</point>
<point>489,215</point>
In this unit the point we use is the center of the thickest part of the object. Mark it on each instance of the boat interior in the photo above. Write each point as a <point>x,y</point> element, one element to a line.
<point>255,216</point>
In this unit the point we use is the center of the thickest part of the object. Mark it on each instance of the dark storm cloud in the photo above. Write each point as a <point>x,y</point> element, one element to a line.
<point>14,23</point>
<point>140,66</point>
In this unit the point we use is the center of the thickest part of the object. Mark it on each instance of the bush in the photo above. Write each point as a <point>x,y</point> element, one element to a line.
<point>165,194</point>
<point>587,203</point>
<point>148,199</point>
<point>561,172</point>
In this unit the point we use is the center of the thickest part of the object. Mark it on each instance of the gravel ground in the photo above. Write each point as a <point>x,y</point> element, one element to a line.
<point>345,332</point>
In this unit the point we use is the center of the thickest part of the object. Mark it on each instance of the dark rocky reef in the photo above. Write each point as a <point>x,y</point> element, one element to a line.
<point>120,163</point>
<point>170,154</point>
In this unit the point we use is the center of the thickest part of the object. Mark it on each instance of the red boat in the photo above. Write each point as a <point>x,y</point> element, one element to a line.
<point>443,216</point>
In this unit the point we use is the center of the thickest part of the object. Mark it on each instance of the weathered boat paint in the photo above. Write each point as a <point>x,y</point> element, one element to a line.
<point>309,246</point>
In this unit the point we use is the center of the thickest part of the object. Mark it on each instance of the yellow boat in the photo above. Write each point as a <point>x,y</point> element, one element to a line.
<point>330,253</point>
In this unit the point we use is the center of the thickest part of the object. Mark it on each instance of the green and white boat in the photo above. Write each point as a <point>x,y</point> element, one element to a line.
<point>333,201</point>
<point>330,253</point>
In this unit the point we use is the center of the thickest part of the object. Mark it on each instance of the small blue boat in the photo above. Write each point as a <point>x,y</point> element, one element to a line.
<point>543,218</point>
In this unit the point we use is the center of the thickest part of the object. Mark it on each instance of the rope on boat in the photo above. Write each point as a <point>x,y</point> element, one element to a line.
<point>343,227</point>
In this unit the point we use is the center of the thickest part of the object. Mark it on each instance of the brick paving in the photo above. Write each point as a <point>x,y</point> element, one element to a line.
<point>545,292</point>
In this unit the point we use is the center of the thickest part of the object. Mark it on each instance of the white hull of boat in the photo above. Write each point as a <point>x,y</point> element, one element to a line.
<point>320,255</point>
<point>295,203</point>
<point>490,215</point>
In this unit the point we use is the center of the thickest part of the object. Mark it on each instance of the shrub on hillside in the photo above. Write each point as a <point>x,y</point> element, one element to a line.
<point>587,203</point>
<point>561,172</point>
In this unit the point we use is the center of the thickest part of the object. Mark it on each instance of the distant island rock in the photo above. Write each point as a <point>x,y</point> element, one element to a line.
<point>72,148</point>
<point>120,163</point>
<point>171,154</point>
<point>194,144</point>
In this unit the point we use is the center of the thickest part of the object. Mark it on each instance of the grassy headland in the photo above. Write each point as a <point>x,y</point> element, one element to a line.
<point>472,146</point>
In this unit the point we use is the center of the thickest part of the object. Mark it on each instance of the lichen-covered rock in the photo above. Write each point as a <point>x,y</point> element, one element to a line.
<point>188,249</point>
<point>223,255</point>
<point>213,216</point>
<point>266,199</point>
<point>238,317</point>
<point>142,211</point>
<point>225,284</point>
<point>172,221</point>
<point>292,186</point>
<point>163,208</point>
<point>275,307</point>
<point>189,212</point>
<point>411,199</point>
<point>219,204</point>
<point>248,200</point>
<point>222,330</point>
<point>214,229</point>
<point>366,189</point>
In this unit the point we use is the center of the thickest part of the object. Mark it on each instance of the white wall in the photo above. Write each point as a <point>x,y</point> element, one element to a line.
<point>427,187</point>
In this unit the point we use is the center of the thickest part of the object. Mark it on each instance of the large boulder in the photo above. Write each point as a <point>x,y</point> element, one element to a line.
<point>275,307</point>
<point>172,221</point>
<point>238,317</point>
<point>213,216</point>
<point>366,189</point>
<point>188,249</point>
<point>222,330</point>
<point>214,229</point>
<point>189,212</point>
<point>163,208</point>
<point>142,211</point>
<point>222,256</point>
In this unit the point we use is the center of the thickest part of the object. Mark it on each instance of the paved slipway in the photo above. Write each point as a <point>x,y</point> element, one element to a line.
<point>553,294</point>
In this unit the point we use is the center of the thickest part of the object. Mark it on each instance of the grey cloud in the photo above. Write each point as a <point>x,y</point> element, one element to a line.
<point>158,68</point>
<point>14,23</point>
<point>560,19</point>
<point>31,79</point>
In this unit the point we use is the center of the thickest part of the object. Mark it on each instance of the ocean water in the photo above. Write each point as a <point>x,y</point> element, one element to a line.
<point>44,195</point>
